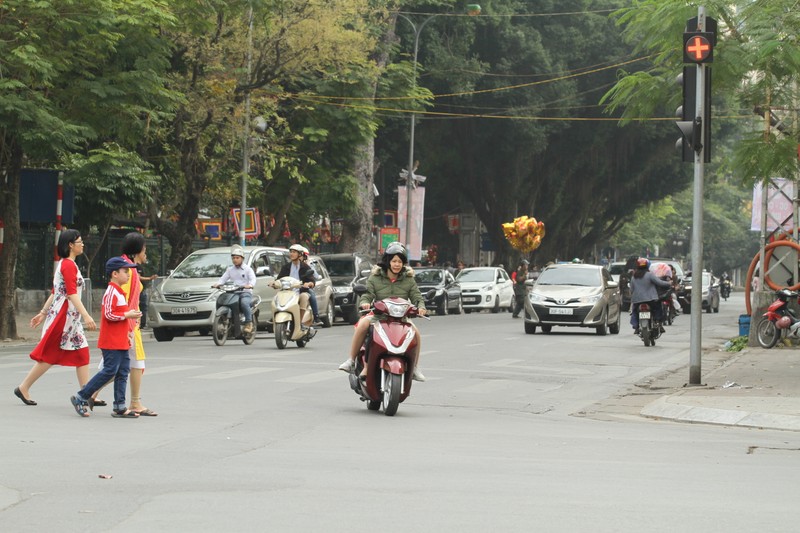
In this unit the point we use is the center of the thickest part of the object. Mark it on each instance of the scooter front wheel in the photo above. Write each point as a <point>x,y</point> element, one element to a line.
<point>767,334</point>
<point>391,394</point>
<point>219,330</point>
<point>282,333</point>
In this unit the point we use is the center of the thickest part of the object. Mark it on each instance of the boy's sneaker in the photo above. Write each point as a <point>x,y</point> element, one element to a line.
<point>317,322</point>
<point>248,328</point>
<point>418,375</point>
<point>348,365</point>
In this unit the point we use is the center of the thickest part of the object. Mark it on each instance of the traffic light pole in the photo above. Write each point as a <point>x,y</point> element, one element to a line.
<point>695,342</point>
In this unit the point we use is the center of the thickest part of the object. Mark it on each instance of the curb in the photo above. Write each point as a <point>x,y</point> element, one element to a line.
<point>664,409</point>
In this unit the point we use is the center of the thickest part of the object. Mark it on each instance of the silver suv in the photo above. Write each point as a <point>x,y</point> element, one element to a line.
<point>185,301</point>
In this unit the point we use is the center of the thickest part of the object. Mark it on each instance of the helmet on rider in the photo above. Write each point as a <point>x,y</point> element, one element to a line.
<point>394,249</point>
<point>299,248</point>
<point>237,250</point>
<point>643,262</point>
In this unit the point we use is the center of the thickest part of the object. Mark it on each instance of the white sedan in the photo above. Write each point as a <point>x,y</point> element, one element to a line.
<point>486,288</point>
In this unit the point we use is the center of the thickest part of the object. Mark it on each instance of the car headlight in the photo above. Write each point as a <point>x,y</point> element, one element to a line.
<point>590,299</point>
<point>341,290</point>
<point>156,296</point>
<point>487,287</point>
<point>439,292</point>
<point>535,297</point>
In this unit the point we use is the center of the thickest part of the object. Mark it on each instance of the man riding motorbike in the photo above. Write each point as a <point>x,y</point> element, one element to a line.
<point>389,278</point>
<point>298,269</point>
<point>241,275</point>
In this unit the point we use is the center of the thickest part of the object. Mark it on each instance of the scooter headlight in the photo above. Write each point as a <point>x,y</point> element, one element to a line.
<point>396,310</point>
<point>286,283</point>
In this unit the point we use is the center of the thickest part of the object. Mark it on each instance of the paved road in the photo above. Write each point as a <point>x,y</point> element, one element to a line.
<point>252,438</point>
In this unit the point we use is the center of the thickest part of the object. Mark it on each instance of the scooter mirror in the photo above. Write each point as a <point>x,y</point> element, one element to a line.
<point>360,289</point>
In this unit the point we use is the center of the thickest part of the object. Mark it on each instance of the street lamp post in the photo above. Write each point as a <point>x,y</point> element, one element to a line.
<point>472,10</point>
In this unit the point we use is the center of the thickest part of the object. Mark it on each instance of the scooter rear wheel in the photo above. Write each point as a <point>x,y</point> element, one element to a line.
<point>391,394</point>
<point>219,330</point>
<point>767,334</point>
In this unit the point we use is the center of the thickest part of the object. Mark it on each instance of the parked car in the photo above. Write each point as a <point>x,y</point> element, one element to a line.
<point>574,295</point>
<point>323,288</point>
<point>622,277</point>
<point>447,296</point>
<point>486,288</point>
<point>710,292</point>
<point>185,301</point>
<point>345,271</point>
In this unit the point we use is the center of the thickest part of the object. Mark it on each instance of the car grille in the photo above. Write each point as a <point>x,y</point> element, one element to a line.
<point>186,297</point>
<point>202,315</point>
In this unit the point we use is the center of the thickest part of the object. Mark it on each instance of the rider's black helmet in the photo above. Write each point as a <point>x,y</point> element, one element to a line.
<point>394,249</point>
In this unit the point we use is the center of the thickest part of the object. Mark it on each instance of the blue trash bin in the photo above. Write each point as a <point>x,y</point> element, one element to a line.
<point>744,325</point>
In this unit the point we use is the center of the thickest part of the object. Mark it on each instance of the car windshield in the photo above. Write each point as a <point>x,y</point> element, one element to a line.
<point>476,275</point>
<point>582,277</point>
<point>341,267</point>
<point>203,266</point>
<point>428,276</point>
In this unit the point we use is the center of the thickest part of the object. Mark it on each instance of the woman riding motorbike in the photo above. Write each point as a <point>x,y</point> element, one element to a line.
<point>644,289</point>
<point>389,278</point>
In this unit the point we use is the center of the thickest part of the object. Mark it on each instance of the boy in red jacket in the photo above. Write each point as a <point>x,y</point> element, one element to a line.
<point>114,342</point>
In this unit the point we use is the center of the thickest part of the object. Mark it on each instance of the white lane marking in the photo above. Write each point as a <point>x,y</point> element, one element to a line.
<point>236,373</point>
<point>502,362</point>
<point>167,369</point>
<point>476,344</point>
<point>314,377</point>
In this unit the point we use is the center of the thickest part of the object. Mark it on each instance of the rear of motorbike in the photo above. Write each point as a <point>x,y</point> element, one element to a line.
<point>649,327</point>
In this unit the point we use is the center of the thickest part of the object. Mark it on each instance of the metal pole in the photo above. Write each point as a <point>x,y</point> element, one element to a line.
<point>246,148</point>
<point>695,345</point>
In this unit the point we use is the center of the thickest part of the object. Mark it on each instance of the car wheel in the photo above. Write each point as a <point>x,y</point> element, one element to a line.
<point>496,308</point>
<point>614,328</point>
<point>459,307</point>
<point>602,329</point>
<point>547,329</point>
<point>163,334</point>
<point>442,308</point>
<point>328,317</point>
<point>530,329</point>
<point>204,331</point>
<point>467,311</point>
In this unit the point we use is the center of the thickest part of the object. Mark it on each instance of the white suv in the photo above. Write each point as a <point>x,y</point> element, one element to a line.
<point>185,301</point>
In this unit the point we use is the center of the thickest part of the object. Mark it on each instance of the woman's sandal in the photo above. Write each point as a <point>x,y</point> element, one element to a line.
<point>81,407</point>
<point>127,413</point>
<point>145,412</point>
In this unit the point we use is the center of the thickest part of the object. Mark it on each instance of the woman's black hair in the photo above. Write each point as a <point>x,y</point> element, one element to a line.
<point>67,236</point>
<point>640,271</point>
<point>132,243</point>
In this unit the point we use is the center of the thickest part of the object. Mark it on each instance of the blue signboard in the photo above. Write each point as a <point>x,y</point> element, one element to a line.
<point>38,193</point>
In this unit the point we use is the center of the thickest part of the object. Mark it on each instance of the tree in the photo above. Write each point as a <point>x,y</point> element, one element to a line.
<point>68,80</point>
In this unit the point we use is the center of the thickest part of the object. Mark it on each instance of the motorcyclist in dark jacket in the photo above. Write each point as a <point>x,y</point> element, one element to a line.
<point>297,268</point>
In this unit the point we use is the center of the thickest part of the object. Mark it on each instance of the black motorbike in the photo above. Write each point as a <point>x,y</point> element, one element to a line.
<point>228,320</point>
<point>649,327</point>
<point>725,289</point>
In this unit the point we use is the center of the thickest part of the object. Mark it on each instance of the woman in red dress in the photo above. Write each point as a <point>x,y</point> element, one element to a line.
<point>63,342</point>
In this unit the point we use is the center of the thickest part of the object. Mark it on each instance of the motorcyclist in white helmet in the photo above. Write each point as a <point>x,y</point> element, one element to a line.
<point>241,275</point>
<point>298,269</point>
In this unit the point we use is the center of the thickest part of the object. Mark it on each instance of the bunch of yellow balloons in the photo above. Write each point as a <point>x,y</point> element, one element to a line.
<point>525,234</point>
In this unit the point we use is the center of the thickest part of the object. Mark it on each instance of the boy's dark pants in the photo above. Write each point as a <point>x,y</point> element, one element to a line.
<point>116,366</point>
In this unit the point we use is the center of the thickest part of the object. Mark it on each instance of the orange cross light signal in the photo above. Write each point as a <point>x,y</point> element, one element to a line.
<point>698,47</point>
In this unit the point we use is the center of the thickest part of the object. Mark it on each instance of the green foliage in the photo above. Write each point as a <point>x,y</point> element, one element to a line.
<point>737,344</point>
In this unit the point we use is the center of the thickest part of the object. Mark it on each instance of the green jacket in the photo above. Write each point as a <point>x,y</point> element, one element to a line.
<point>379,287</point>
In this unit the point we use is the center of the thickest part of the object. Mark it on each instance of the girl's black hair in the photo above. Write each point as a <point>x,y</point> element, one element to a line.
<point>132,244</point>
<point>67,236</point>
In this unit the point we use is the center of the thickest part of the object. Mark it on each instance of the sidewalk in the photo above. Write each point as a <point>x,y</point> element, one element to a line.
<point>755,388</point>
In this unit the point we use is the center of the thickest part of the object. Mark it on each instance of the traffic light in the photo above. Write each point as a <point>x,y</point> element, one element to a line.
<point>698,47</point>
<point>689,124</point>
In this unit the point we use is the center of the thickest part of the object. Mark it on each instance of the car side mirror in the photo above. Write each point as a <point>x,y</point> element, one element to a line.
<point>359,289</point>
<point>365,273</point>
<point>530,282</point>
<point>612,284</point>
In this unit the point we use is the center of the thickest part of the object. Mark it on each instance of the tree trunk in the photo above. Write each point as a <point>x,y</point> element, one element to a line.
<point>357,229</point>
<point>10,167</point>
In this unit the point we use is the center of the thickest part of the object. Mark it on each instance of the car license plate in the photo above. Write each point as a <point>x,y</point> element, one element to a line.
<point>184,310</point>
<point>560,310</point>
<point>471,300</point>
<point>644,314</point>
